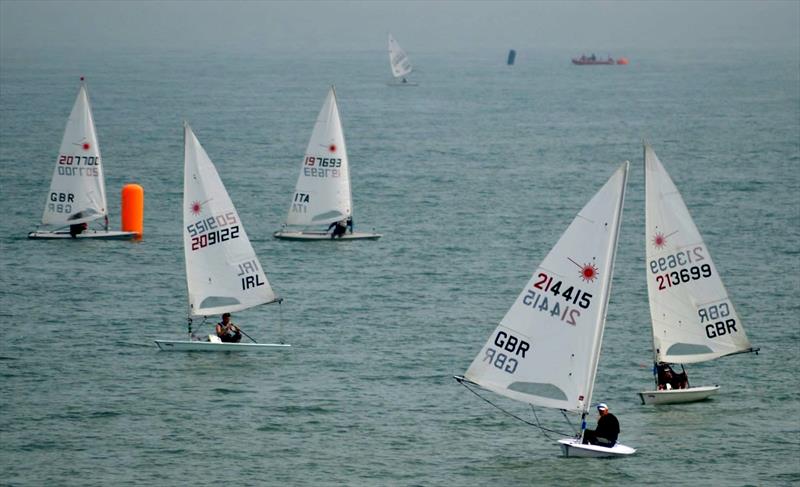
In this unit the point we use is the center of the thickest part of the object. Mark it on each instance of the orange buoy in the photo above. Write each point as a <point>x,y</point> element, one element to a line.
<point>622,60</point>
<point>133,209</point>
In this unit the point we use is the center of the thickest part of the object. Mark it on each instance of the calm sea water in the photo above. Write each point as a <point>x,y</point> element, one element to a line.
<point>471,176</point>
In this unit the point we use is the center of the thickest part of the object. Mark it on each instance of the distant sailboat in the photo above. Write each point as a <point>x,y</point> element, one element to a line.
<point>322,195</point>
<point>546,349</point>
<point>692,318</point>
<point>223,273</point>
<point>77,194</point>
<point>400,64</point>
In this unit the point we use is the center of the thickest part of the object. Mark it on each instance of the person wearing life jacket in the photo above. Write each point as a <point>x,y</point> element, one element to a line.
<point>607,429</point>
<point>227,331</point>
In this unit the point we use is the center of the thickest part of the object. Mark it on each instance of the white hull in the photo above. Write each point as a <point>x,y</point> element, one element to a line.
<point>96,234</point>
<point>677,396</point>
<point>285,235</point>
<point>198,346</point>
<point>572,447</point>
<point>400,83</point>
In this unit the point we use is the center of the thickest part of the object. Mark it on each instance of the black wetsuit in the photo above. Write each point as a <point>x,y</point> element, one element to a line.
<point>77,229</point>
<point>339,229</point>
<point>606,433</point>
<point>227,337</point>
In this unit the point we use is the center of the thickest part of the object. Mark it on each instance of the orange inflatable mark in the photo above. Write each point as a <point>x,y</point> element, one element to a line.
<point>622,60</point>
<point>133,209</point>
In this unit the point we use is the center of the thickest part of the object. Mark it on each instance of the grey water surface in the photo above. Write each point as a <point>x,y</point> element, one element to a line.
<point>471,176</point>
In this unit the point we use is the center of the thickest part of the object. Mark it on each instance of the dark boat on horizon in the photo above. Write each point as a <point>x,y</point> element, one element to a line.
<point>585,60</point>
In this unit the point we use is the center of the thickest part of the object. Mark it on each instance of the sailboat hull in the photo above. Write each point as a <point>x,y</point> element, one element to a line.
<point>677,396</point>
<point>572,447</point>
<point>284,235</point>
<point>198,346</point>
<point>94,234</point>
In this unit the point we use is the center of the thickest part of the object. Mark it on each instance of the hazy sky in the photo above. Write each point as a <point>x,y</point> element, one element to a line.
<point>418,25</point>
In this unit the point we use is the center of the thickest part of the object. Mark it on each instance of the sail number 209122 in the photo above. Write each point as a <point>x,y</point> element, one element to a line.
<point>212,230</point>
<point>509,348</point>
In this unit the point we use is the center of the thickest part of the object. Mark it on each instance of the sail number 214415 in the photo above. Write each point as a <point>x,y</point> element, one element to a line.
<point>546,297</point>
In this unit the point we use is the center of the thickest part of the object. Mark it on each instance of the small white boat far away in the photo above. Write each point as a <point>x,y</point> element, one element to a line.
<point>400,64</point>
<point>546,349</point>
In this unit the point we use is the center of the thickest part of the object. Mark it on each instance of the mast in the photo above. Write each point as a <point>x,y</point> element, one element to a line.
<point>344,149</point>
<point>101,166</point>
<point>652,330</point>
<point>611,258</point>
<point>186,128</point>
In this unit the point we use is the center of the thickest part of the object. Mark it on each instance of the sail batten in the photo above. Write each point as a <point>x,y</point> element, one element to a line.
<point>693,319</point>
<point>223,273</point>
<point>546,348</point>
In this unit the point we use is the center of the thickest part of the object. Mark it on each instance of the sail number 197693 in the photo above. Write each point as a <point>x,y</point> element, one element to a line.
<point>322,167</point>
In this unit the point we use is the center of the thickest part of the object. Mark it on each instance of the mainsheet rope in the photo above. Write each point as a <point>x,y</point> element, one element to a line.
<point>535,425</point>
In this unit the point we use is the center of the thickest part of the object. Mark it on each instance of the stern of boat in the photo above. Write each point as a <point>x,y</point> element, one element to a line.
<point>572,447</point>
<point>677,396</point>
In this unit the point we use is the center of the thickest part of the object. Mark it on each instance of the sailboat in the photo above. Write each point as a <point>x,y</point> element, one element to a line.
<point>322,195</point>
<point>546,349</point>
<point>223,273</point>
<point>400,64</point>
<point>77,194</point>
<point>693,319</point>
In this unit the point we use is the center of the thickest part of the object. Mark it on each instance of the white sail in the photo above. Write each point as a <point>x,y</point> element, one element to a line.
<point>77,190</point>
<point>322,194</point>
<point>223,273</point>
<point>398,59</point>
<point>693,319</point>
<point>546,349</point>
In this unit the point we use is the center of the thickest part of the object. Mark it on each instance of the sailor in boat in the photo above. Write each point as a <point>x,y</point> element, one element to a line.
<point>227,331</point>
<point>404,80</point>
<point>607,429</point>
<point>77,229</point>
<point>669,379</point>
<point>339,228</point>
<point>350,224</point>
